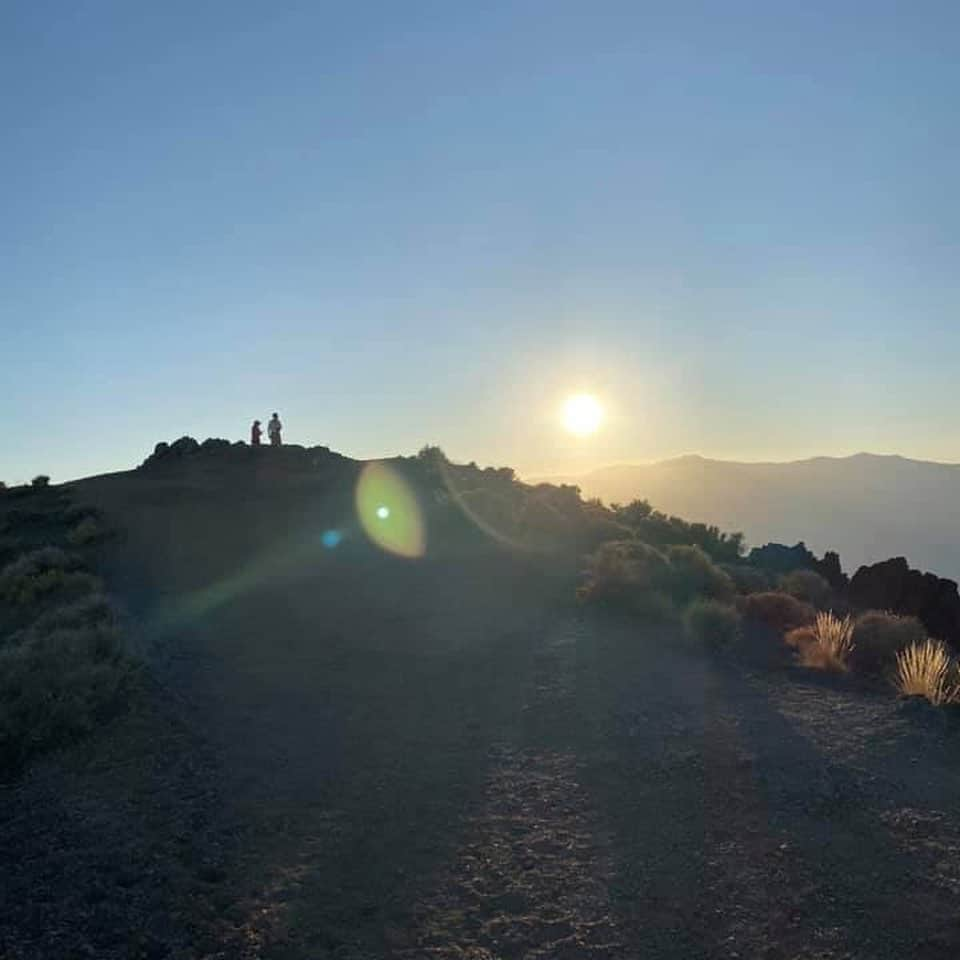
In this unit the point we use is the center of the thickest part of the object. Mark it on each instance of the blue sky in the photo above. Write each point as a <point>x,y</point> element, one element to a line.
<point>400,223</point>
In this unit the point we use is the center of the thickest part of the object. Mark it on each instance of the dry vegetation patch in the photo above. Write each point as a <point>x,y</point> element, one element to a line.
<point>831,643</point>
<point>927,670</point>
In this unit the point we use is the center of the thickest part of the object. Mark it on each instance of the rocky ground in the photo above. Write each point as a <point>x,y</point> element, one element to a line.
<point>426,760</point>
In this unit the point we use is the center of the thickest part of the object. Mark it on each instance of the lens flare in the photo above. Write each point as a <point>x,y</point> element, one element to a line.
<point>389,512</point>
<point>331,538</point>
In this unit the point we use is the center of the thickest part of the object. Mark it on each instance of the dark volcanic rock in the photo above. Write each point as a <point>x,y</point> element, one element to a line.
<point>779,558</point>
<point>214,443</point>
<point>184,446</point>
<point>892,585</point>
<point>215,448</point>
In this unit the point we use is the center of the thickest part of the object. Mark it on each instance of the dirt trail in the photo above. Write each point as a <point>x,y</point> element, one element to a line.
<point>584,789</point>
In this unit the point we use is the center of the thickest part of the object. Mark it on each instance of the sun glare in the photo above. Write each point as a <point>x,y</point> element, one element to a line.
<point>582,414</point>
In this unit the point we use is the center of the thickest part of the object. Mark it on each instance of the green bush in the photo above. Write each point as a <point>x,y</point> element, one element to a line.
<point>659,530</point>
<point>87,531</point>
<point>747,579</point>
<point>633,575</point>
<point>878,638</point>
<point>89,611</point>
<point>621,572</point>
<point>40,482</point>
<point>779,611</point>
<point>693,574</point>
<point>712,623</point>
<point>808,587</point>
<point>10,549</point>
<point>78,511</point>
<point>43,573</point>
<point>56,687</point>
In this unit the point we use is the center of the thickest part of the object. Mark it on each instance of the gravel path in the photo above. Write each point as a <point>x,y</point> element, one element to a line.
<point>429,767</point>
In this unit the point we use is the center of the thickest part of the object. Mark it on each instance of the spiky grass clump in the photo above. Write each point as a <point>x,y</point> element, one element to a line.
<point>832,643</point>
<point>927,670</point>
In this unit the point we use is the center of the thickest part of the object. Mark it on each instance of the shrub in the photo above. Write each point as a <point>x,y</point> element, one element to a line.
<point>40,482</point>
<point>925,669</point>
<point>87,531</point>
<point>10,549</point>
<point>41,573</point>
<point>779,611</point>
<point>38,561</point>
<point>621,570</point>
<point>879,637</point>
<point>800,637</point>
<point>693,574</point>
<point>747,579</point>
<point>56,687</point>
<point>831,645</point>
<point>713,623</point>
<point>89,611</point>
<point>77,512</point>
<point>808,587</point>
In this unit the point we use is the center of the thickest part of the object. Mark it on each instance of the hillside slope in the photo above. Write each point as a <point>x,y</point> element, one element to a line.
<point>866,507</point>
<point>446,757</point>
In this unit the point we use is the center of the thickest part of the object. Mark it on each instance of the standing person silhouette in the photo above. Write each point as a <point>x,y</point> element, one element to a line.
<point>273,431</point>
<point>255,434</point>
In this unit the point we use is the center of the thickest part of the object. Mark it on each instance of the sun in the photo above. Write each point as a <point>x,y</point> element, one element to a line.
<point>582,414</point>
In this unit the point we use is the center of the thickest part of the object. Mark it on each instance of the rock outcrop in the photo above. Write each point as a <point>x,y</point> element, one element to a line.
<point>216,449</point>
<point>777,558</point>
<point>892,585</point>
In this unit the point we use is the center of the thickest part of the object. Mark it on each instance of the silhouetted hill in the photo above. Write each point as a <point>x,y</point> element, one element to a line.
<point>866,507</point>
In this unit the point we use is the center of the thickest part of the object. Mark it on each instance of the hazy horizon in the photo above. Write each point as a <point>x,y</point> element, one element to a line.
<point>733,225</point>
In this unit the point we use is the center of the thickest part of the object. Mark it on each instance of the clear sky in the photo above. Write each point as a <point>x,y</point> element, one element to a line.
<point>396,223</point>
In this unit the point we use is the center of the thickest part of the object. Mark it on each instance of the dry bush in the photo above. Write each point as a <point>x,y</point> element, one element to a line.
<point>694,574</point>
<point>44,573</point>
<point>832,643</point>
<point>779,611</point>
<point>927,670</point>
<point>808,587</point>
<point>713,623</point>
<point>878,639</point>
<point>800,637</point>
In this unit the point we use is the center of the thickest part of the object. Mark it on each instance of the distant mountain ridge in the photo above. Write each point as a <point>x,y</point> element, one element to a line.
<point>868,507</point>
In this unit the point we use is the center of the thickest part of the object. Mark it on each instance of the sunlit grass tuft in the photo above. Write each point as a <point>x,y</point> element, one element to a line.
<point>832,643</point>
<point>926,670</point>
